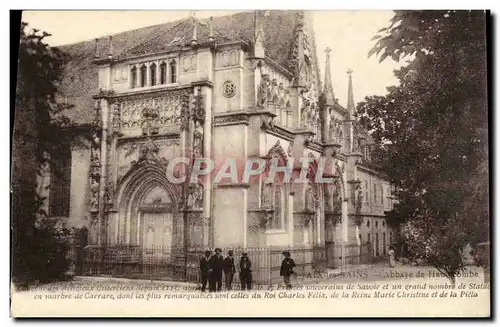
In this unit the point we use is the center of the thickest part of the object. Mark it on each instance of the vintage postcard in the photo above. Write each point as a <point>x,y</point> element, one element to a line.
<point>266,163</point>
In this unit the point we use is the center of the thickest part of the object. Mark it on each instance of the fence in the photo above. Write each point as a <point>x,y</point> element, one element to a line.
<point>354,254</point>
<point>177,263</point>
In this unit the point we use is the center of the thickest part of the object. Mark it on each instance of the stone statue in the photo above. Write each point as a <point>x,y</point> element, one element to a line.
<point>310,199</point>
<point>267,196</point>
<point>262,97</point>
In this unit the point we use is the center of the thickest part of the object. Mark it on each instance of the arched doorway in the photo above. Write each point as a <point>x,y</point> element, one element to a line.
<point>148,223</point>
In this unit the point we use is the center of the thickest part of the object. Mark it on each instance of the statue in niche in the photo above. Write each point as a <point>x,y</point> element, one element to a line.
<point>195,197</point>
<point>267,195</point>
<point>262,97</point>
<point>94,194</point>
<point>148,150</point>
<point>96,157</point>
<point>311,200</point>
<point>198,140</point>
<point>305,112</point>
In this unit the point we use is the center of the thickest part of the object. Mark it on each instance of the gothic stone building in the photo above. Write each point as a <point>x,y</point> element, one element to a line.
<point>239,86</point>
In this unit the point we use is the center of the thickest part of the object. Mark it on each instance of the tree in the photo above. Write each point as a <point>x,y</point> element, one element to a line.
<point>39,135</point>
<point>431,130</point>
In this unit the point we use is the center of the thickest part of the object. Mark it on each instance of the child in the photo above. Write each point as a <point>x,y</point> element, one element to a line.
<point>287,269</point>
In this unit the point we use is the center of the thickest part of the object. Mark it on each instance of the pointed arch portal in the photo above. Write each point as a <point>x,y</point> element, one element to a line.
<point>148,213</point>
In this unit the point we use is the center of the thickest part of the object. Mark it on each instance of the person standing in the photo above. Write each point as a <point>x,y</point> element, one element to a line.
<point>245,272</point>
<point>229,269</point>
<point>286,270</point>
<point>216,264</point>
<point>392,257</point>
<point>205,270</point>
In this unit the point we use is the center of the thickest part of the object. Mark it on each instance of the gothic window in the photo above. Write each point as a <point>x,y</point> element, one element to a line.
<point>369,238</point>
<point>384,244</point>
<point>60,182</point>
<point>360,239</point>
<point>173,71</point>
<point>133,77</point>
<point>163,73</point>
<point>368,224</point>
<point>381,194</point>
<point>143,77</point>
<point>376,224</point>
<point>277,222</point>
<point>152,70</point>
<point>374,192</point>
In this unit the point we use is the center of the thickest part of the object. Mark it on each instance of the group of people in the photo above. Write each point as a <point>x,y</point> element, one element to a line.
<point>213,266</point>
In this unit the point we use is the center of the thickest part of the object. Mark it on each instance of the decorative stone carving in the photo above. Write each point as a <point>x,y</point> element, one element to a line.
<point>149,150</point>
<point>336,130</point>
<point>189,63</point>
<point>198,140</point>
<point>262,95</point>
<point>228,89</point>
<point>115,111</point>
<point>267,195</point>
<point>231,120</point>
<point>199,107</point>
<point>94,194</point>
<point>228,58</point>
<point>195,197</point>
<point>163,110</point>
<point>312,202</point>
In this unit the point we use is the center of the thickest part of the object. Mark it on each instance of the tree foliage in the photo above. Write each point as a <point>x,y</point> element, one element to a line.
<point>39,136</point>
<point>431,129</point>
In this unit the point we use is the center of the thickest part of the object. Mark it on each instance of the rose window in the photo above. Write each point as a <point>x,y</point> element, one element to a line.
<point>228,89</point>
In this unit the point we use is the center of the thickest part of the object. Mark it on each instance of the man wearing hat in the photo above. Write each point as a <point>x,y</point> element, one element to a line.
<point>287,269</point>
<point>245,272</point>
<point>216,264</point>
<point>229,269</point>
<point>205,270</point>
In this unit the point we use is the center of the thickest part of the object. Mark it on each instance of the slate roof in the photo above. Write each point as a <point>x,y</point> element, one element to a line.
<point>80,82</point>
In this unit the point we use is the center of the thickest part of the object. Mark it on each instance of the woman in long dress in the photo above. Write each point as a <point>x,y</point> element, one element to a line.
<point>392,255</point>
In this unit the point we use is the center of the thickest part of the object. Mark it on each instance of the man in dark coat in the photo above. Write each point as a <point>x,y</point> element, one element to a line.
<point>245,272</point>
<point>205,270</point>
<point>287,269</point>
<point>229,269</point>
<point>216,266</point>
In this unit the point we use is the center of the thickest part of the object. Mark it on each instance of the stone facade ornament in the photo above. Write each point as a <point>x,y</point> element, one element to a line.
<point>267,195</point>
<point>262,94</point>
<point>149,150</point>
<point>195,197</point>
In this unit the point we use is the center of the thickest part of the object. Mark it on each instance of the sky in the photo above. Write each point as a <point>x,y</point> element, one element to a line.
<point>347,33</point>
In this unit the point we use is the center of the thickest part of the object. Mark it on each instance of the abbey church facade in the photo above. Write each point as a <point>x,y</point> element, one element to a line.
<point>241,86</point>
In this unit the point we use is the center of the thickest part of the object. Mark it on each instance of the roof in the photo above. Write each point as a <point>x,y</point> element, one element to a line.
<point>80,82</point>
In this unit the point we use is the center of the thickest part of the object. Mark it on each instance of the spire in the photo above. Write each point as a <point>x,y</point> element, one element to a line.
<point>211,34</point>
<point>194,40</point>
<point>110,48</point>
<point>350,96</point>
<point>96,52</point>
<point>259,51</point>
<point>328,88</point>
